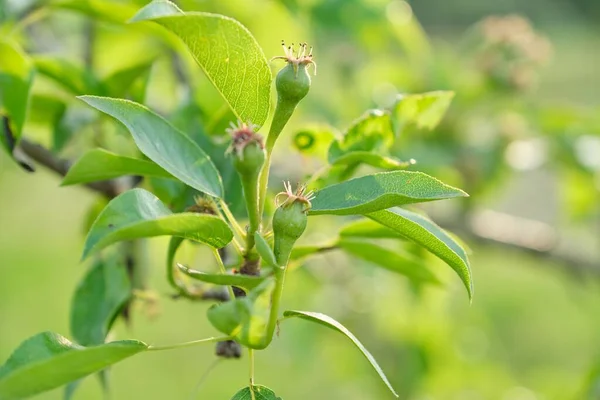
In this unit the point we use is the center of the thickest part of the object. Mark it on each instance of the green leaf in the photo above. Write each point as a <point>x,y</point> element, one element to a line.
<point>226,51</point>
<point>247,282</point>
<point>100,164</point>
<point>16,77</point>
<point>245,318</point>
<point>256,392</point>
<point>372,159</point>
<point>137,213</point>
<point>100,9</point>
<point>71,77</point>
<point>129,80</point>
<point>174,244</point>
<point>395,261</point>
<point>367,228</point>
<point>423,110</point>
<point>97,301</point>
<point>380,191</point>
<point>48,360</point>
<point>372,132</point>
<point>333,324</point>
<point>163,144</point>
<point>264,250</point>
<point>424,232</point>
<point>299,252</point>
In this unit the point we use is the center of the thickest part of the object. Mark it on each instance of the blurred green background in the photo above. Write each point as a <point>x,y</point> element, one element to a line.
<point>527,150</point>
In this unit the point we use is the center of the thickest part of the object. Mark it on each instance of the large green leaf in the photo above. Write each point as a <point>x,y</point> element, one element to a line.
<point>16,76</point>
<point>395,261</point>
<point>164,144</point>
<point>245,318</point>
<point>71,77</point>
<point>98,299</point>
<point>100,164</point>
<point>48,360</point>
<point>137,213</point>
<point>380,191</point>
<point>226,51</point>
<point>247,282</point>
<point>424,110</point>
<point>423,231</point>
<point>256,392</point>
<point>329,322</point>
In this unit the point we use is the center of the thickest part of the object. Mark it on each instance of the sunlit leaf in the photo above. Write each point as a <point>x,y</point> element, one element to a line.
<point>100,164</point>
<point>329,322</point>
<point>105,10</point>
<point>48,360</point>
<point>163,144</point>
<point>425,110</point>
<point>137,213</point>
<point>247,282</point>
<point>395,261</point>
<point>423,231</point>
<point>372,132</point>
<point>380,191</point>
<point>226,51</point>
<point>372,159</point>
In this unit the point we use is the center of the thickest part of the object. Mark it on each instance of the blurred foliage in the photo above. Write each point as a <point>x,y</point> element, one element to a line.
<point>531,332</point>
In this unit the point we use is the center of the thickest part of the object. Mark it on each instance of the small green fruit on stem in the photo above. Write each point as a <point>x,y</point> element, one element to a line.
<point>289,221</point>
<point>292,84</point>
<point>248,159</point>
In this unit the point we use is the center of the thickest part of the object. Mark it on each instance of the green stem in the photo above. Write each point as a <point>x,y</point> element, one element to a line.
<point>190,344</point>
<point>283,113</point>
<point>250,187</point>
<point>275,301</point>
<point>251,357</point>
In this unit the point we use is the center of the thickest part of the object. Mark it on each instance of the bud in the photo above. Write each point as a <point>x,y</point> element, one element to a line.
<point>203,205</point>
<point>293,81</point>
<point>247,149</point>
<point>248,159</point>
<point>289,220</point>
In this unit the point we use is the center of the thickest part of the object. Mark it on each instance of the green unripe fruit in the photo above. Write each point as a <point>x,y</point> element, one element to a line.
<point>292,83</point>
<point>289,223</point>
<point>249,160</point>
